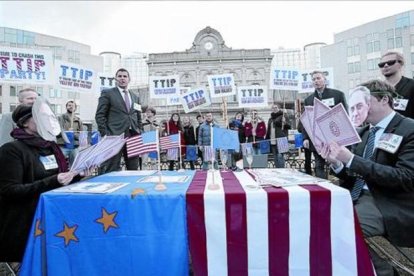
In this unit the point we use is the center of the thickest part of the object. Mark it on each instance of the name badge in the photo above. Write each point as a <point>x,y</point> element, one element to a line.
<point>389,142</point>
<point>49,162</point>
<point>137,107</point>
<point>400,104</point>
<point>329,101</point>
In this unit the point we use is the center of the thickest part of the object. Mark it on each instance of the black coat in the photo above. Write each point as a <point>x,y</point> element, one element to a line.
<point>277,126</point>
<point>405,87</point>
<point>189,136</point>
<point>22,179</point>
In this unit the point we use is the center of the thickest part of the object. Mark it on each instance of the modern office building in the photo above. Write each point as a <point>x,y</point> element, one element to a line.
<point>136,64</point>
<point>111,62</point>
<point>355,53</point>
<point>62,49</point>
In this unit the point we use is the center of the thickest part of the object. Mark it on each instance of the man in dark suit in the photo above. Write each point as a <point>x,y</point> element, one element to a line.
<point>380,172</point>
<point>329,97</point>
<point>391,67</point>
<point>119,112</point>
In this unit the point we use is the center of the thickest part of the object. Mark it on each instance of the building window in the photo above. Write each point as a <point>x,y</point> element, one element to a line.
<point>370,64</point>
<point>377,46</point>
<point>398,42</point>
<point>390,43</point>
<point>12,91</point>
<point>350,51</point>
<point>39,90</point>
<point>12,107</point>
<point>370,47</point>
<point>356,50</point>
<point>350,68</point>
<point>390,33</point>
<point>412,40</point>
<point>357,67</point>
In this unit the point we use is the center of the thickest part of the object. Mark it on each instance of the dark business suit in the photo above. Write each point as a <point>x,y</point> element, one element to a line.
<point>113,118</point>
<point>405,88</point>
<point>338,97</point>
<point>390,179</point>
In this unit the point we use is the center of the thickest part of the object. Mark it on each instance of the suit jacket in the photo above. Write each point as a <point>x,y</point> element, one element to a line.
<point>338,97</point>
<point>112,116</point>
<point>390,178</point>
<point>405,87</point>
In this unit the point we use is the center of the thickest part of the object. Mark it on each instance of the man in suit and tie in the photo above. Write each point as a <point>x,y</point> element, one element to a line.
<point>329,97</point>
<point>379,171</point>
<point>119,112</point>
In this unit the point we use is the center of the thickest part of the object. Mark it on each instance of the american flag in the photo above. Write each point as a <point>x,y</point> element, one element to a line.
<point>140,144</point>
<point>169,142</point>
<point>282,144</point>
<point>295,230</point>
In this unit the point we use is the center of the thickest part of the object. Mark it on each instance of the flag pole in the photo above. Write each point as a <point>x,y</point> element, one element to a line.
<point>179,151</point>
<point>160,186</point>
<point>213,155</point>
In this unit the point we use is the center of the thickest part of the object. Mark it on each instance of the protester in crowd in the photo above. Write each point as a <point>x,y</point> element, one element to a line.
<point>27,96</point>
<point>34,165</point>
<point>329,97</point>
<point>237,124</point>
<point>149,124</point>
<point>391,67</point>
<point>70,122</point>
<point>174,126</point>
<point>254,129</point>
<point>277,127</point>
<point>119,112</point>
<point>358,106</point>
<point>200,120</point>
<point>189,136</point>
<point>204,140</point>
<point>379,172</point>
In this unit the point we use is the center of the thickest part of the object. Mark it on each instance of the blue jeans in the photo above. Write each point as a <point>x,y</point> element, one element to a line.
<point>278,157</point>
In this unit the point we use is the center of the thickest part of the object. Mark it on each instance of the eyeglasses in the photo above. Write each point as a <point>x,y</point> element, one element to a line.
<point>389,62</point>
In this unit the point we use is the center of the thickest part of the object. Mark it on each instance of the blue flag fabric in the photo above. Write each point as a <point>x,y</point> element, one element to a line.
<point>191,153</point>
<point>153,155</point>
<point>264,146</point>
<point>225,139</point>
<point>118,233</point>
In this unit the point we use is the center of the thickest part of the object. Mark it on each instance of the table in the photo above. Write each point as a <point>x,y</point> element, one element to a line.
<point>233,230</point>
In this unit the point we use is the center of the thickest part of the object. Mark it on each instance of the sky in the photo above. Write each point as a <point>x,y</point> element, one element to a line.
<point>168,26</point>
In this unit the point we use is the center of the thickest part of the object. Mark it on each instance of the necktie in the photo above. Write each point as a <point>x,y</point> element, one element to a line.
<point>369,149</point>
<point>126,98</point>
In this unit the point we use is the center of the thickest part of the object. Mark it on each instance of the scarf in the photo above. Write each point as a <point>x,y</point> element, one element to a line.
<point>39,142</point>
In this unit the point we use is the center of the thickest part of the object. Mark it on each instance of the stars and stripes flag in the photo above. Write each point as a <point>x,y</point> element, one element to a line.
<point>282,144</point>
<point>144,143</point>
<point>170,141</point>
<point>238,229</point>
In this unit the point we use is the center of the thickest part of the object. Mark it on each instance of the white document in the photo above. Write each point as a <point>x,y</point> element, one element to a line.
<point>319,108</point>
<point>92,187</point>
<point>337,127</point>
<point>165,179</point>
<point>284,177</point>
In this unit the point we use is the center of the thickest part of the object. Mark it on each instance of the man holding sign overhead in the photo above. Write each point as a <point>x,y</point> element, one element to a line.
<point>329,97</point>
<point>119,112</point>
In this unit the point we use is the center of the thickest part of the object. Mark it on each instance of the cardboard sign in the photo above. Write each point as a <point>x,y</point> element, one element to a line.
<point>285,79</point>
<point>221,85</point>
<point>162,87</point>
<point>195,99</point>
<point>252,96</point>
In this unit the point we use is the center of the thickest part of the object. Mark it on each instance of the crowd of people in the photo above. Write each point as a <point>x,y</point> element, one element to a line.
<point>379,171</point>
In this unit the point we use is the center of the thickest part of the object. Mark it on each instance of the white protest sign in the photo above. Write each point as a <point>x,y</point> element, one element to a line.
<point>221,85</point>
<point>195,99</point>
<point>175,100</point>
<point>75,77</point>
<point>252,96</point>
<point>26,66</point>
<point>285,79</point>
<point>161,87</point>
<point>306,79</point>
<point>105,81</point>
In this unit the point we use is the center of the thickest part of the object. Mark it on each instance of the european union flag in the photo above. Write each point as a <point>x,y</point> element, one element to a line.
<point>191,153</point>
<point>225,139</point>
<point>264,146</point>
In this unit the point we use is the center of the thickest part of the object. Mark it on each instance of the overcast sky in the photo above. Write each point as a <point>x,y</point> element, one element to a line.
<point>167,26</point>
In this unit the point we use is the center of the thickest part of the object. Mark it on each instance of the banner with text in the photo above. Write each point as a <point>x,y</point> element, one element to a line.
<point>285,79</point>
<point>195,99</point>
<point>306,79</point>
<point>105,81</point>
<point>221,85</point>
<point>175,100</point>
<point>75,77</point>
<point>252,96</point>
<point>161,87</point>
<point>26,66</point>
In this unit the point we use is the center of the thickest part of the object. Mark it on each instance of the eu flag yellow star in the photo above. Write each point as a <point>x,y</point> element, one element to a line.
<point>107,220</point>
<point>68,233</point>
<point>38,231</point>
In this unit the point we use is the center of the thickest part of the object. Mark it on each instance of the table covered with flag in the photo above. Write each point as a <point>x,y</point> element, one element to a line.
<point>233,229</point>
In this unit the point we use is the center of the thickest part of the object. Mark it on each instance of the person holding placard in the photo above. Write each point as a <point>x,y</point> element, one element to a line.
<point>119,111</point>
<point>72,124</point>
<point>329,97</point>
<point>391,67</point>
<point>379,171</point>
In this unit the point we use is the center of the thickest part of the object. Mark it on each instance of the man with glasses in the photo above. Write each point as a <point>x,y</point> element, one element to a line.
<point>391,67</point>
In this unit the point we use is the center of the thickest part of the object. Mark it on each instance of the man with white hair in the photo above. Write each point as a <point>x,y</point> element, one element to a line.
<point>27,96</point>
